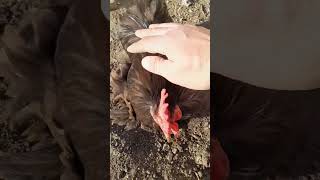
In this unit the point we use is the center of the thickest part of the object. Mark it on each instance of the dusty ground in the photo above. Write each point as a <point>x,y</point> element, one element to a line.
<point>137,154</point>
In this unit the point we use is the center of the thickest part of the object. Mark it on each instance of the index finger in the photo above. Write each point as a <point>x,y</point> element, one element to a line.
<point>150,44</point>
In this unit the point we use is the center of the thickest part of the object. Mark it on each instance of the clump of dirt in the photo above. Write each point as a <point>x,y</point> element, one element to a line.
<point>138,154</point>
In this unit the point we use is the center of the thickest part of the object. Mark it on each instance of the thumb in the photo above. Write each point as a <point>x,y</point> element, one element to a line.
<point>157,65</point>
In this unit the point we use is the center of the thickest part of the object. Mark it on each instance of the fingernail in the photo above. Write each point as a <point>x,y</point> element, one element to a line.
<point>137,32</point>
<point>152,25</point>
<point>144,63</point>
<point>130,48</point>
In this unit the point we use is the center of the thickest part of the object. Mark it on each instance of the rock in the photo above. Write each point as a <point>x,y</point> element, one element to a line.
<point>166,147</point>
<point>174,151</point>
<point>175,157</point>
<point>170,156</point>
<point>187,2</point>
<point>198,159</point>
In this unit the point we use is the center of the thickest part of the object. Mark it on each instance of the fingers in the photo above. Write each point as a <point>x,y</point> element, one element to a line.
<point>157,65</point>
<point>141,33</point>
<point>150,44</point>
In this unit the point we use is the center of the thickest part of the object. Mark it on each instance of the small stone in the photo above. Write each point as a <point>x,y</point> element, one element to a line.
<point>187,2</point>
<point>200,174</point>
<point>174,151</point>
<point>169,156</point>
<point>165,147</point>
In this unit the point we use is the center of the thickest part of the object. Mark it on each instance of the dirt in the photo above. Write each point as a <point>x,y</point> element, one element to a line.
<point>137,154</point>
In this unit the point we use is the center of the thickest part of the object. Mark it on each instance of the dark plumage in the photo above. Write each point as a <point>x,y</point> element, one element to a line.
<point>142,89</point>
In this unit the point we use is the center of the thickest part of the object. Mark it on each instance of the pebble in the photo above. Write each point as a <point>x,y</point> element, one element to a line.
<point>165,147</point>
<point>187,2</point>
<point>174,151</point>
<point>200,174</point>
<point>198,159</point>
<point>169,156</point>
<point>175,157</point>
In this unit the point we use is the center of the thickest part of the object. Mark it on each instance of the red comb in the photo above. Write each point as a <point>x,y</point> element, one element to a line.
<point>163,110</point>
<point>168,126</point>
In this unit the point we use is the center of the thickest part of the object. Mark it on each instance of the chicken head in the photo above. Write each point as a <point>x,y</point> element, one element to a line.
<point>166,121</point>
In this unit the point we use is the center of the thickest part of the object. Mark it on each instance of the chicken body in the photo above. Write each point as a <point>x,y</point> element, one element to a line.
<point>152,100</point>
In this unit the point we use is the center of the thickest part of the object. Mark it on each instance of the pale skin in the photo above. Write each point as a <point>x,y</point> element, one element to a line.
<point>187,48</point>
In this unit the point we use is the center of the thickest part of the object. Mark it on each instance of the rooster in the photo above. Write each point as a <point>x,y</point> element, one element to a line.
<point>151,100</point>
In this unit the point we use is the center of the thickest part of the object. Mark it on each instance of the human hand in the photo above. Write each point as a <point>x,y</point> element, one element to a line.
<point>187,48</point>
